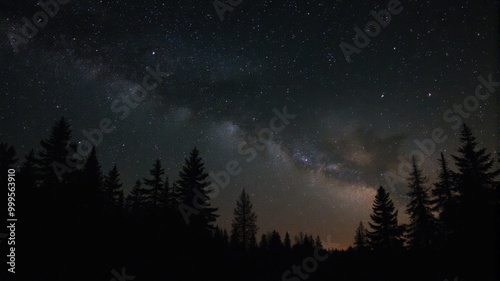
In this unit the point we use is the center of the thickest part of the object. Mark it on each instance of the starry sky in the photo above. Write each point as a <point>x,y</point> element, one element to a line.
<point>222,79</point>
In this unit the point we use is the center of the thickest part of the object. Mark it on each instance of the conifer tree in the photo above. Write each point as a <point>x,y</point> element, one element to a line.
<point>445,202</point>
<point>244,227</point>
<point>386,233</point>
<point>422,227</point>
<point>165,195</point>
<point>264,242</point>
<point>135,199</point>
<point>52,155</point>
<point>90,189</point>
<point>121,200</point>
<point>194,200</point>
<point>476,180</point>
<point>113,187</point>
<point>155,184</point>
<point>361,238</point>
<point>169,195</point>
<point>275,243</point>
<point>174,196</point>
<point>92,173</point>
<point>308,242</point>
<point>287,242</point>
<point>444,189</point>
<point>477,174</point>
<point>318,242</point>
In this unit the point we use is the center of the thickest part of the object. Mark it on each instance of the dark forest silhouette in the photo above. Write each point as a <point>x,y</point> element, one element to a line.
<point>83,226</point>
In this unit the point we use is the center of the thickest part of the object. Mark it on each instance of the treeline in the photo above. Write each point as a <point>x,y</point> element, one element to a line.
<point>80,224</point>
<point>453,227</point>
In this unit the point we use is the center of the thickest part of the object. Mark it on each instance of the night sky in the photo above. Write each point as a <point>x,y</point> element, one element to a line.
<point>222,80</point>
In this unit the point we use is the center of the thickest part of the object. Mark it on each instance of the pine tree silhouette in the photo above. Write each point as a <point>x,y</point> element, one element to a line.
<point>422,227</point>
<point>287,242</point>
<point>193,192</point>
<point>244,227</point>
<point>113,189</point>
<point>135,200</point>
<point>165,195</point>
<point>476,216</point>
<point>445,201</point>
<point>93,181</point>
<point>361,238</point>
<point>264,242</point>
<point>169,196</point>
<point>386,233</point>
<point>121,200</point>
<point>475,166</point>
<point>174,196</point>
<point>275,243</point>
<point>155,184</point>
<point>308,242</point>
<point>444,189</point>
<point>65,228</point>
<point>57,186</point>
<point>52,155</point>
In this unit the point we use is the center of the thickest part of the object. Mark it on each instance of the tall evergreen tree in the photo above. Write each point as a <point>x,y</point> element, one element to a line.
<point>169,197</point>
<point>164,198</point>
<point>155,184</point>
<point>121,200</point>
<point>361,238</point>
<point>264,242</point>
<point>90,190</point>
<point>85,202</point>
<point>318,242</point>
<point>135,200</point>
<point>52,155</point>
<point>386,234</point>
<point>193,193</point>
<point>444,189</point>
<point>53,176</point>
<point>476,180</point>
<point>244,227</point>
<point>275,243</point>
<point>174,196</point>
<point>113,187</point>
<point>308,241</point>
<point>477,174</point>
<point>422,227</point>
<point>218,239</point>
<point>287,242</point>
<point>92,173</point>
<point>445,202</point>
